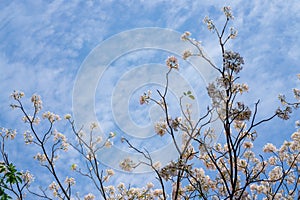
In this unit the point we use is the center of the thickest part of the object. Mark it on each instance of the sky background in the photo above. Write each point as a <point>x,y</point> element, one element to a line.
<point>44,44</point>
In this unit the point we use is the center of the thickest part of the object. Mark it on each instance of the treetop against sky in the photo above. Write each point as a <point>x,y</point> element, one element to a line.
<point>89,58</point>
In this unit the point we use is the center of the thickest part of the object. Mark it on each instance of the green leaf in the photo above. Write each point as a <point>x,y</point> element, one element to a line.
<point>2,169</point>
<point>3,195</point>
<point>19,179</point>
<point>11,168</point>
<point>192,97</point>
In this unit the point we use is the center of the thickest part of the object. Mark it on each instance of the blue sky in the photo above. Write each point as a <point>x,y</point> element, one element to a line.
<point>44,45</point>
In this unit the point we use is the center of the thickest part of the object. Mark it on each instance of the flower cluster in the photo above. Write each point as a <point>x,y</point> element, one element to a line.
<point>27,177</point>
<point>89,196</point>
<point>199,176</point>
<point>145,98</point>
<point>185,36</point>
<point>241,88</point>
<point>127,164</point>
<point>8,133</point>
<point>269,148</point>
<point>172,62</point>
<point>109,173</point>
<point>275,174</point>
<point>51,116</point>
<point>90,156</point>
<point>175,123</point>
<point>93,125</point>
<point>186,54</point>
<point>282,99</point>
<point>37,102</point>
<point>248,145</point>
<point>228,13</point>
<point>28,137</point>
<point>61,139</point>
<point>122,192</point>
<point>233,33</point>
<point>209,23</point>
<point>70,181</point>
<point>161,127</point>
<point>215,94</point>
<point>108,143</point>
<point>233,61</point>
<point>30,119</point>
<point>285,113</point>
<point>16,95</point>
<point>240,112</point>
<point>40,157</point>
<point>296,137</point>
<point>296,94</point>
<point>54,187</point>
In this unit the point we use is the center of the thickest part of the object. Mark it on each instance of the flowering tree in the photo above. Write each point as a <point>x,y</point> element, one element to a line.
<point>203,169</point>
